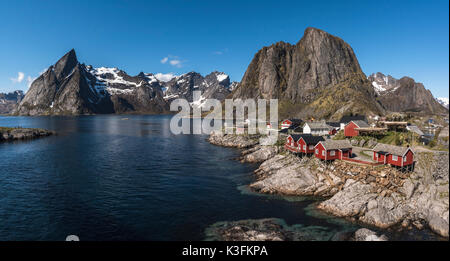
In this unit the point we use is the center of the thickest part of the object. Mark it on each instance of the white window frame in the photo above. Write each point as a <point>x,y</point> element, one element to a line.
<point>323,152</point>
<point>394,158</point>
<point>317,151</point>
<point>332,153</point>
<point>304,147</point>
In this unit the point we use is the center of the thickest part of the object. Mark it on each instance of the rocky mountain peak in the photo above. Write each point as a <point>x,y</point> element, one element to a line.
<point>319,66</point>
<point>66,64</point>
<point>404,94</point>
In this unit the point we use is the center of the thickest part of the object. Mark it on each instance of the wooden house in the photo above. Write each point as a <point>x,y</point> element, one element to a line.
<point>307,143</point>
<point>351,128</point>
<point>346,119</point>
<point>393,155</point>
<point>333,149</point>
<point>292,142</point>
<point>291,123</point>
<point>317,128</point>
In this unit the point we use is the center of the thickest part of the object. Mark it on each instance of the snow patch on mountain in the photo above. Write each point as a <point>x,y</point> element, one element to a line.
<point>165,77</point>
<point>443,101</point>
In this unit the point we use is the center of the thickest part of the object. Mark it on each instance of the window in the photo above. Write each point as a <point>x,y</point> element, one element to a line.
<point>332,153</point>
<point>404,158</point>
<point>317,151</point>
<point>311,147</point>
<point>304,147</point>
<point>394,157</point>
<point>323,153</point>
<point>376,155</point>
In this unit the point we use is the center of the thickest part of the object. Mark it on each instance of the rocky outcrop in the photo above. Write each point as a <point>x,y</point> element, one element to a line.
<point>9,101</point>
<point>404,95</point>
<point>319,76</point>
<point>364,234</point>
<point>233,141</point>
<point>274,229</point>
<point>422,199</point>
<point>268,229</point>
<point>259,154</point>
<point>11,134</point>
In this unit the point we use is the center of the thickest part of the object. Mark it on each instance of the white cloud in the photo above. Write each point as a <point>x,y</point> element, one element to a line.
<point>165,77</point>
<point>218,53</point>
<point>19,79</point>
<point>176,63</point>
<point>173,60</point>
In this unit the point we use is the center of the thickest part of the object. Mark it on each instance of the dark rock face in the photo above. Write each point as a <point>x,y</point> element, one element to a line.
<point>404,95</point>
<point>320,76</point>
<point>9,101</point>
<point>69,87</point>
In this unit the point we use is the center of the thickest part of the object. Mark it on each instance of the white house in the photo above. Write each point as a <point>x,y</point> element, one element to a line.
<point>317,128</point>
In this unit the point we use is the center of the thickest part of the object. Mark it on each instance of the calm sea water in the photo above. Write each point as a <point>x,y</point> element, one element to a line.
<point>127,178</point>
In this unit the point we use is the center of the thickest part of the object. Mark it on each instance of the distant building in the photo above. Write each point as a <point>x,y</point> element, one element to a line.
<point>291,123</point>
<point>333,149</point>
<point>393,155</point>
<point>415,129</point>
<point>336,126</point>
<point>317,128</point>
<point>346,119</point>
<point>351,128</point>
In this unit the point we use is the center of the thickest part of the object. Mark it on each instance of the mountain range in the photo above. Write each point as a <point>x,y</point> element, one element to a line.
<point>71,88</point>
<point>319,77</point>
<point>404,95</point>
<point>8,101</point>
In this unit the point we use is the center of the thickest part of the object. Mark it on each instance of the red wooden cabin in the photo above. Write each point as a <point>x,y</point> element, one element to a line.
<point>333,149</point>
<point>307,143</point>
<point>350,130</point>
<point>291,122</point>
<point>393,155</point>
<point>292,143</point>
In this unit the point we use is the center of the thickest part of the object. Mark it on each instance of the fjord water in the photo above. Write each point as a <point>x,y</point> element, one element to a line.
<point>127,178</point>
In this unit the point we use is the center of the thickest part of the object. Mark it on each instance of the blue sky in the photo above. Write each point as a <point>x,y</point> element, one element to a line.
<point>401,38</point>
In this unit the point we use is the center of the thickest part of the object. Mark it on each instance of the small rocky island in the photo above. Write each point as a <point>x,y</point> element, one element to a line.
<point>376,196</point>
<point>18,133</point>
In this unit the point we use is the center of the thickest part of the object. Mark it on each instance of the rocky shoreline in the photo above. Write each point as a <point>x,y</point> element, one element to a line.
<point>377,196</point>
<point>12,134</point>
<point>273,229</point>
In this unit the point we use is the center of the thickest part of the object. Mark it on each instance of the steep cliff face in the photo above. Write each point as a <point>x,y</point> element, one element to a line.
<point>404,95</point>
<point>319,76</point>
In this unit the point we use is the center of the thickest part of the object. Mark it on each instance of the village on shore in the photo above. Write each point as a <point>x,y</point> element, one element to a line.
<point>383,172</point>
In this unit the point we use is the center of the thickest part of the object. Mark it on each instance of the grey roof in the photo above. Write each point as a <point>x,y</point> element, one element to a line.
<point>336,144</point>
<point>312,140</point>
<point>415,129</point>
<point>334,124</point>
<point>361,124</point>
<point>391,149</point>
<point>318,125</point>
<point>347,119</point>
